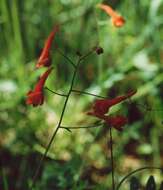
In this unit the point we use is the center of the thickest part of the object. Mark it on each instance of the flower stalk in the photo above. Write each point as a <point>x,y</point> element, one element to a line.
<point>112,157</point>
<point>61,117</point>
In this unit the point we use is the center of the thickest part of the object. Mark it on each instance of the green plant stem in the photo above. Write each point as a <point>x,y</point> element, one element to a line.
<point>87,93</point>
<point>67,58</point>
<point>82,127</point>
<point>60,121</point>
<point>112,158</point>
<point>86,55</point>
<point>4,179</point>
<point>135,171</point>
<point>57,128</point>
<point>46,88</point>
<point>7,23</point>
<point>17,28</point>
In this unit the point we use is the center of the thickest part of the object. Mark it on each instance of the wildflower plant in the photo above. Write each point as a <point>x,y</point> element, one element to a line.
<point>100,107</point>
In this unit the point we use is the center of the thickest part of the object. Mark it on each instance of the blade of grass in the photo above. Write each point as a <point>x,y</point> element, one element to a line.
<point>4,179</point>
<point>6,20</point>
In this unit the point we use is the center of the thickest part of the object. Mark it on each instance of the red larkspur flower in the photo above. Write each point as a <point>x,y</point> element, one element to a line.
<point>36,97</point>
<point>44,59</point>
<point>101,107</point>
<point>116,121</point>
<point>117,20</point>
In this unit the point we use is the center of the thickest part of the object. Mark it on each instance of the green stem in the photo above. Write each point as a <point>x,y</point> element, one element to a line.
<point>50,143</point>
<point>112,158</point>
<point>17,42</point>
<point>87,93</point>
<point>100,62</point>
<point>82,127</point>
<point>56,130</point>
<point>4,179</point>
<point>60,121</point>
<point>67,58</point>
<point>86,55</point>
<point>6,19</point>
<point>46,88</point>
<point>17,28</point>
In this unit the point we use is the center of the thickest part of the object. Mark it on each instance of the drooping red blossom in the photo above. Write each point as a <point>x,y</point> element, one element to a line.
<point>117,20</point>
<point>116,121</point>
<point>101,106</point>
<point>44,59</point>
<point>36,97</point>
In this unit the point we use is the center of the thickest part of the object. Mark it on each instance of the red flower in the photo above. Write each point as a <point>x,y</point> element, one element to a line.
<point>117,20</point>
<point>36,97</point>
<point>117,121</point>
<point>44,59</point>
<point>101,107</point>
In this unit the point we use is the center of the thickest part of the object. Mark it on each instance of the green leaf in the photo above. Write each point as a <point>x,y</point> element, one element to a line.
<point>134,184</point>
<point>151,185</point>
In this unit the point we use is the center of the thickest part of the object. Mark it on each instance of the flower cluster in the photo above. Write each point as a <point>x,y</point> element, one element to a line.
<point>101,107</point>
<point>36,97</point>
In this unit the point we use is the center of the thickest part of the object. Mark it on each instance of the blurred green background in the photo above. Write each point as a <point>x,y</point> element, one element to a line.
<point>132,59</point>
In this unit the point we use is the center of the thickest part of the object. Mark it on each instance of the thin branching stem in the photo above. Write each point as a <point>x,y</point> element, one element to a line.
<point>67,58</point>
<point>80,127</point>
<point>112,158</point>
<point>57,128</point>
<point>87,93</point>
<point>46,88</point>
<point>4,179</point>
<point>60,121</point>
<point>86,55</point>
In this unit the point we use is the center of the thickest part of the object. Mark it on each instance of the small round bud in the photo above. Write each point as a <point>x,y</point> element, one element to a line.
<point>99,50</point>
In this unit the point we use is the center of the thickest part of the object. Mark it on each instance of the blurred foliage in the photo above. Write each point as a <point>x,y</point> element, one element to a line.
<point>132,59</point>
<point>150,185</point>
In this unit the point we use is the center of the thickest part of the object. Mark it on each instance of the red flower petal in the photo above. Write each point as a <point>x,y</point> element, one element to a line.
<point>117,121</point>
<point>36,97</point>
<point>44,59</point>
<point>101,107</point>
<point>40,84</point>
<point>117,20</point>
